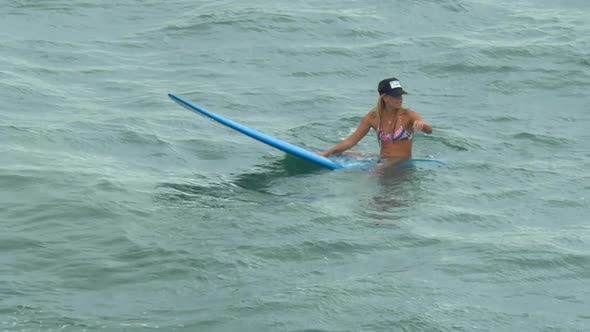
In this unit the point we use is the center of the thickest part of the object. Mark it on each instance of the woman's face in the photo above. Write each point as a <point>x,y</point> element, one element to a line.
<point>393,102</point>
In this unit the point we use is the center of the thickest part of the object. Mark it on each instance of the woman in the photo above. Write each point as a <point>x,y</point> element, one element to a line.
<point>394,124</point>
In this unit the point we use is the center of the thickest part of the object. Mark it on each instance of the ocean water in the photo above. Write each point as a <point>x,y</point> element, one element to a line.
<point>121,211</point>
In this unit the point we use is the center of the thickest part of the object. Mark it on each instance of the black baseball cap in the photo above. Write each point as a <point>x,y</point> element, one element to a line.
<point>391,86</point>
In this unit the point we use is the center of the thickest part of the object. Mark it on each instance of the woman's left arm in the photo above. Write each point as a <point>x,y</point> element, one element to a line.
<point>418,123</point>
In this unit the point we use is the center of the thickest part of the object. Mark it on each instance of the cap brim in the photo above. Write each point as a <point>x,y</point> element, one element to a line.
<point>396,92</point>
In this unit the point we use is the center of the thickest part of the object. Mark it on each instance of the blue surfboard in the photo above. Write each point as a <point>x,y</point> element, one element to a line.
<point>287,147</point>
<point>274,142</point>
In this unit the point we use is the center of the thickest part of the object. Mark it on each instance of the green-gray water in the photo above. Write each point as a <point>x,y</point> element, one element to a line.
<point>121,211</point>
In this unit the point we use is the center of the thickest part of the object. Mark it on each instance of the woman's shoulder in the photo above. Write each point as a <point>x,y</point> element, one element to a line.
<point>410,113</point>
<point>409,116</point>
<point>372,114</point>
<point>374,117</point>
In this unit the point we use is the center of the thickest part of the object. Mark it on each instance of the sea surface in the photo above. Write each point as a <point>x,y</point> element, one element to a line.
<point>122,211</point>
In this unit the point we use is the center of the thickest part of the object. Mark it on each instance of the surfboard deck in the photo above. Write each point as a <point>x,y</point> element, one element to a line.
<point>282,145</point>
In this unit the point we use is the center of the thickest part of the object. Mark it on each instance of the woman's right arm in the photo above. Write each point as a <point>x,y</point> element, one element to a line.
<point>353,139</point>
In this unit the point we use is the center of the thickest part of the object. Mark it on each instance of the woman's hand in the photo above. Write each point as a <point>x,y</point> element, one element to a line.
<point>323,153</point>
<point>422,126</point>
<point>419,124</point>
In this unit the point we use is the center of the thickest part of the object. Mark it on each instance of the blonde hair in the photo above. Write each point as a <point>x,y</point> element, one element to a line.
<point>380,107</point>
